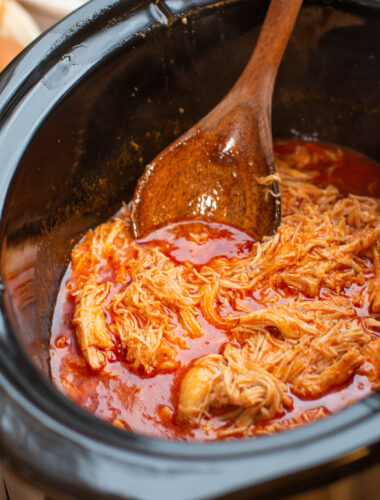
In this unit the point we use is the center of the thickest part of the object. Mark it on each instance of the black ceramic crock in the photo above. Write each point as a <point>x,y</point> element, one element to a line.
<point>81,111</point>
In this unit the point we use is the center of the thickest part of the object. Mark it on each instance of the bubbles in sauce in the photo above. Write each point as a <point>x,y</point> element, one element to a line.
<point>199,243</point>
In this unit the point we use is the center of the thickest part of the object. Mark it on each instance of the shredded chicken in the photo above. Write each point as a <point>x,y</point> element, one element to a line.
<point>375,289</point>
<point>232,379</point>
<point>292,326</point>
<point>94,338</point>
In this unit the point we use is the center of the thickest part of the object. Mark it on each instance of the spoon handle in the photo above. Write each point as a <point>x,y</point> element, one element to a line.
<point>256,83</point>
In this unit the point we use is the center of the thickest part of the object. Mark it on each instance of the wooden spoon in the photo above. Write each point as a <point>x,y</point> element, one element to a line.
<point>220,169</point>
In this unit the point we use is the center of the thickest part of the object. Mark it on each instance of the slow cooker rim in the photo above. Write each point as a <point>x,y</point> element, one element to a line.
<point>358,412</point>
<point>14,87</point>
<point>175,457</point>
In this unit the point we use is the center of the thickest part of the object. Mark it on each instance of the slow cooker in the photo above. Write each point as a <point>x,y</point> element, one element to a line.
<point>82,110</point>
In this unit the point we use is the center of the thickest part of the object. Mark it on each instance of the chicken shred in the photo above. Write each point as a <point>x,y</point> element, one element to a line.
<point>94,338</point>
<point>306,338</point>
<point>234,379</point>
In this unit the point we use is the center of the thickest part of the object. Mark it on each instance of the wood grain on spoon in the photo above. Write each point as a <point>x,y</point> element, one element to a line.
<point>215,170</point>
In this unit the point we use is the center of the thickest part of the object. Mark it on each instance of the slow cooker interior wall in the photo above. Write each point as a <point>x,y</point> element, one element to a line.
<point>86,158</point>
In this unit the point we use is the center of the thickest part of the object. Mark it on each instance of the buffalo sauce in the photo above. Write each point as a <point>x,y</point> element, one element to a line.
<point>146,404</point>
<point>143,403</point>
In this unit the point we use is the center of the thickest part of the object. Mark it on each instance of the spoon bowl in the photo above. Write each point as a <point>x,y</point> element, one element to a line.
<point>222,169</point>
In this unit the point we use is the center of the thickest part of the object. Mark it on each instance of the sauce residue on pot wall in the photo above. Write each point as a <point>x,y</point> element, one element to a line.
<point>183,318</point>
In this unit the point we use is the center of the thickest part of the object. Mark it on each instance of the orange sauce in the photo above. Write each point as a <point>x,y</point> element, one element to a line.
<point>146,404</point>
<point>353,173</point>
